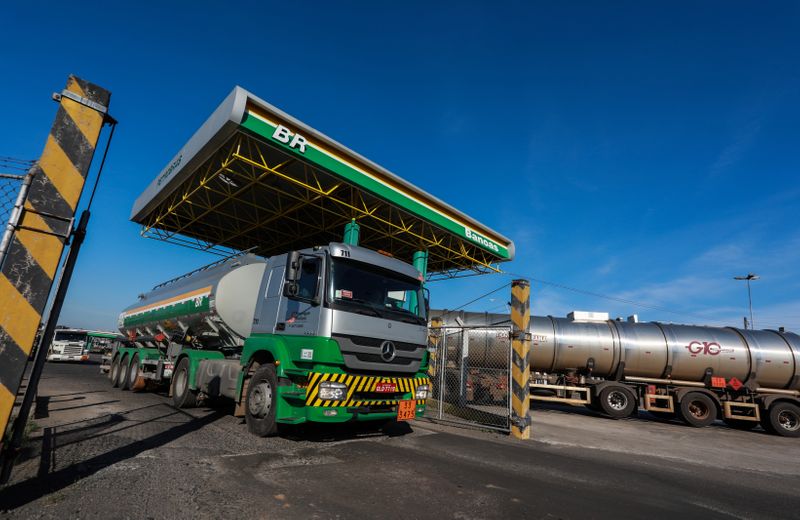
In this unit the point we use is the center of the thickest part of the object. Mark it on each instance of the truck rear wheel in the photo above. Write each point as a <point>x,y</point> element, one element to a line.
<point>113,372</point>
<point>122,377</point>
<point>260,402</point>
<point>698,410</point>
<point>617,401</point>
<point>133,373</point>
<point>784,418</point>
<point>182,395</point>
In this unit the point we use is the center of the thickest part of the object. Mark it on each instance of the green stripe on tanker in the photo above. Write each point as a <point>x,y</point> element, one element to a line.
<point>168,312</point>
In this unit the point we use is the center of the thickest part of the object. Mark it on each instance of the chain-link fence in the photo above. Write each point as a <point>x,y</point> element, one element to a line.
<point>12,178</point>
<point>9,188</point>
<point>470,375</point>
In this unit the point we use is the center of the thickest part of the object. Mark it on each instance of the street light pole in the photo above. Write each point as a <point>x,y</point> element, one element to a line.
<point>750,276</point>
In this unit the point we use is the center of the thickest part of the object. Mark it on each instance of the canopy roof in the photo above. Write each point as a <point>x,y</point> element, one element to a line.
<point>253,177</point>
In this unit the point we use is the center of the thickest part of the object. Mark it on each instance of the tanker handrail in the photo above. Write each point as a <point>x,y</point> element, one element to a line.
<point>215,263</point>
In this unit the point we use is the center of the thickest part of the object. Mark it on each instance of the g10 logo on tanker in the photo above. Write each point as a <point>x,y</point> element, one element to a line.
<point>706,348</point>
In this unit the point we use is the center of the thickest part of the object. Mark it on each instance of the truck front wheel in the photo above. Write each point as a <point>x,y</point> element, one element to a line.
<point>260,402</point>
<point>698,409</point>
<point>182,395</point>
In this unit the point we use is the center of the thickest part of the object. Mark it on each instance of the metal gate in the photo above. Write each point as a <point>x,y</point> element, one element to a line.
<point>470,371</point>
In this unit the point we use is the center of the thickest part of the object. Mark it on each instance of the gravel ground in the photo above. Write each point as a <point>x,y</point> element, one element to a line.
<point>104,453</point>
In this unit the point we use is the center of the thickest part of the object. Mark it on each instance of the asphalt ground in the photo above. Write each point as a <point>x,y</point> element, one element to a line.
<point>104,453</point>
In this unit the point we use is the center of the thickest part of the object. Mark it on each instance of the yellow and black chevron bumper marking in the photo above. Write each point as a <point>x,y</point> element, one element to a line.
<point>359,385</point>
<point>35,249</point>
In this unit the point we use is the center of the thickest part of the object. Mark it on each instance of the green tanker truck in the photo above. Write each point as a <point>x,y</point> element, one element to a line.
<point>327,334</point>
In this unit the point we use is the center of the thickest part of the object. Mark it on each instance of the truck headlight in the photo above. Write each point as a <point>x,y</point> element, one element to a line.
<point>329,391</point>
<point>422,392</point>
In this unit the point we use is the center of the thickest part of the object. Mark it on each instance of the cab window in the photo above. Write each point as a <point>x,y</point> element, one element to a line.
<point>309,276</point>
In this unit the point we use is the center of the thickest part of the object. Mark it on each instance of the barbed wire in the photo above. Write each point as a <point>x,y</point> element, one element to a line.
<point>14,166</point>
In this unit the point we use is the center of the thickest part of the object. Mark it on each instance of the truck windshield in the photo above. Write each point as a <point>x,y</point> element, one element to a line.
<point>368,289</point>
<point>74,337</point>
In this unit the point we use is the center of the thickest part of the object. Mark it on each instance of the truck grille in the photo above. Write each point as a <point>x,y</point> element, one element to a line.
<point>364,354</point>
<point>72,350</point>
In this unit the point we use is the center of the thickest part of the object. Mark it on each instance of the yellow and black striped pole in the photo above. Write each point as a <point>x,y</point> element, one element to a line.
<point>30,262</point>
<point>520,368</point>
<point>434,338</point>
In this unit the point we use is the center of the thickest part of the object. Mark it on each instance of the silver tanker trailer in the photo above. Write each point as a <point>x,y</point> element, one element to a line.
<point>695,373</point>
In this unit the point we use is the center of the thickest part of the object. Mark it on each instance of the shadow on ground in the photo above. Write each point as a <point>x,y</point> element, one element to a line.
<point>46,482</point>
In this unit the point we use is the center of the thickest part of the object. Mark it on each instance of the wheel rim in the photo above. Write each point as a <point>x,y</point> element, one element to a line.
<point>698,410</point>
<point>260,400</point>
<point>180,382</point>
<point>134,372</point>
<point>114,371</point>
<point>788,420</point>
<point>617,400</point>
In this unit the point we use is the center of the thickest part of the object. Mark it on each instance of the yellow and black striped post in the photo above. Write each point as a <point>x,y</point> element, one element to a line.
<point>520,368</point>
<point>30,263</point>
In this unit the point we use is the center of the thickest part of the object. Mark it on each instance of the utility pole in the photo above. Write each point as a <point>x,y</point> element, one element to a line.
<point>747,278</point>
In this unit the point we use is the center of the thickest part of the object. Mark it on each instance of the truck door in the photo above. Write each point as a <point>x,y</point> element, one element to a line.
<point>300,315</point>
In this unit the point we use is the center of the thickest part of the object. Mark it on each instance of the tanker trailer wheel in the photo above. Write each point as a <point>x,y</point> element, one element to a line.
<point>784,418</point>
<point>182,394</point>
<point>617,401</point>
<point>113,373</point>
<point>260,403</point>
<point>133,373</point>
<point>122,376</point>
<point>698,409</point>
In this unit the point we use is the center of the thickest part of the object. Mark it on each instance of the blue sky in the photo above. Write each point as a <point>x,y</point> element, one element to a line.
<point>643,151</point>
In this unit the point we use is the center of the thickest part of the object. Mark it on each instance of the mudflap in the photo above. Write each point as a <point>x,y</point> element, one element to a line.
<point>140,384</point>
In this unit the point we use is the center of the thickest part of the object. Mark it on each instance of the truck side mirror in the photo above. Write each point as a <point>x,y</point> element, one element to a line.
<point>292,266</point>
<point>292,274</point>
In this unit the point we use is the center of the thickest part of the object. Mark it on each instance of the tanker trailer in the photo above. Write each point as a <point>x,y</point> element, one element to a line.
<point>695,373</point>
<point>327,334</point>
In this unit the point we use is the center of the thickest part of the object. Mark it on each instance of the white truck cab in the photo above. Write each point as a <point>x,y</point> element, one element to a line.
<point>69,345</point>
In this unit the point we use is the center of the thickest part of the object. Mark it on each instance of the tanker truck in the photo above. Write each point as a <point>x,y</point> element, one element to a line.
<point>327,334</point>
<point>695,373</point>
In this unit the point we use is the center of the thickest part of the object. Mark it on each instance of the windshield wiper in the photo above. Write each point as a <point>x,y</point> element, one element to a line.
<point>415,321</point>
<point>369,311</point>
<point>363,306</point>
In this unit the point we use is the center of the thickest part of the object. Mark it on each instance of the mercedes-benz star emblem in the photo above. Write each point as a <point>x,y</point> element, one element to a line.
<point>388,351</point>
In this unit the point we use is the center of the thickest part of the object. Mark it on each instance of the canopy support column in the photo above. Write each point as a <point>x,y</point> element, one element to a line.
<point>420,263</point>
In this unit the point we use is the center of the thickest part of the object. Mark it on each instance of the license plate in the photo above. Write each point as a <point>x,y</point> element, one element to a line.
<point>406,410</point>
<point>386,388</point>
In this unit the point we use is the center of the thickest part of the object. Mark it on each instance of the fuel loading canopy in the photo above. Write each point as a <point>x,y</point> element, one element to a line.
<point>253,177</point>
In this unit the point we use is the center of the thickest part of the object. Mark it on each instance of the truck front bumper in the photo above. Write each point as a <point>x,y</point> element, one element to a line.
<point>358,413</point>
<point>67,357</point>
<point>366,398</point>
